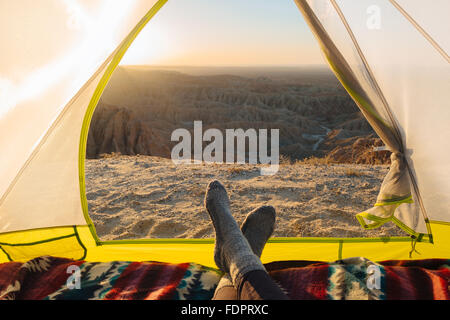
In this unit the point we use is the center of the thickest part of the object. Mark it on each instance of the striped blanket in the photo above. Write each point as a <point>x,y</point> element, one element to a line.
<point>356,278</point>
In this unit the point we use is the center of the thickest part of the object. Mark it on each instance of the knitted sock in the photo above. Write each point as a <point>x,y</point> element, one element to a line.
<point>257,228</point>
<point>232,252</point>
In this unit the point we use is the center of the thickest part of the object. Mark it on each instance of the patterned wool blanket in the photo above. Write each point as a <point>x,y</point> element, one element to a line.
<point>355,278</point>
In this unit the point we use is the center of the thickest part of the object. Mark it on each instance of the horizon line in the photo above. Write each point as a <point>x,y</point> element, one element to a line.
<point>228,66</point>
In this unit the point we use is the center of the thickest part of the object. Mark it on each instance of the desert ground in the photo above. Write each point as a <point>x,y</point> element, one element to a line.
<point>133,197</point>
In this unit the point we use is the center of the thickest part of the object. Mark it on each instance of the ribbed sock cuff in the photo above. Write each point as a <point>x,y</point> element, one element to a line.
<point>244,265</point>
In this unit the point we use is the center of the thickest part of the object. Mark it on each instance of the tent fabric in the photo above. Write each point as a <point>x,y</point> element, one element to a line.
<point>78,243</point>
<point>399,76</point>
<point>44,104</point>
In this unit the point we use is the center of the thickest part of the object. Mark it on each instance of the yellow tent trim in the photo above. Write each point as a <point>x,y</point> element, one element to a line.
<point>76,242</point>
<point>117,57</point>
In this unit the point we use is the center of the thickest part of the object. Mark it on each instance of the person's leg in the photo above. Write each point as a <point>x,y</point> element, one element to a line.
<point>258,285</point>
<point>225,289</point>
<point>255,285</point>
<point>257,228</point>
<point>232,252</point>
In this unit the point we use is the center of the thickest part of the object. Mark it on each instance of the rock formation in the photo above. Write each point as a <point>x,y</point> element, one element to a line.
<point>140,109</point>
<point>119,130</point>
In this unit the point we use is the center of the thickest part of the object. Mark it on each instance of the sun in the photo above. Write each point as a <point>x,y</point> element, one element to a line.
<point>89,37</point>
<point>152,46</point>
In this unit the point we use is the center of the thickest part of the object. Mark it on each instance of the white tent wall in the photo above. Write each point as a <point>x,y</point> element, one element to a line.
<point>47,192</point>
<point>415,79</point>
<point>406,76</point>
<point>43,105</point>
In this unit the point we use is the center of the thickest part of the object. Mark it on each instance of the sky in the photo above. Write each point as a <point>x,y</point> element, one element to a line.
<point>67,40</point>
<point>226,33</point>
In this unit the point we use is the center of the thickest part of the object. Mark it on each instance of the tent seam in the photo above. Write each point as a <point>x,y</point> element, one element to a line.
<point>6,253</point>
<point>81,243</point>
<point>421,30</point>
<point>37,242</point>
<point>370,73</point>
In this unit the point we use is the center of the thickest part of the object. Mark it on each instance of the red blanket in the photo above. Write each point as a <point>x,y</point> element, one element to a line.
<point>356,278</point>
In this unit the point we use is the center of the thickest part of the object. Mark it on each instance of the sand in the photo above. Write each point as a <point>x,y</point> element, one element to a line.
<point>135,197</point>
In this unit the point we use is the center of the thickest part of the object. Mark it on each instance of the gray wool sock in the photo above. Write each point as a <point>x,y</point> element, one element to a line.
<point>232,252</point>
<point>257,228</point>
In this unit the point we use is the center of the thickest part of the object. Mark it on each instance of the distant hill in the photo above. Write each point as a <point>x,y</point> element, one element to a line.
<point>143,105</point>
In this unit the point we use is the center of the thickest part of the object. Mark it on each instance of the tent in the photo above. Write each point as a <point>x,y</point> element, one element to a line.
<point>391,56</point>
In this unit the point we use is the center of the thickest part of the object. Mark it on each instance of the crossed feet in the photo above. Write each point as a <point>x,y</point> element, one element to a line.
<point>237,250</point>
